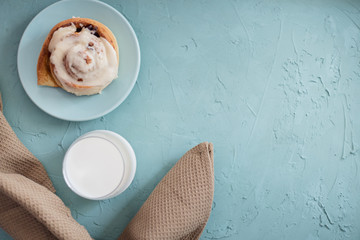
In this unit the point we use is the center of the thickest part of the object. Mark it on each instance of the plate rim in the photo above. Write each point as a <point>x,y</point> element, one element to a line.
<point>120,100</point>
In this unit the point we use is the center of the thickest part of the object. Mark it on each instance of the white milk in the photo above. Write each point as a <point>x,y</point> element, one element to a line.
<point>99,165</point>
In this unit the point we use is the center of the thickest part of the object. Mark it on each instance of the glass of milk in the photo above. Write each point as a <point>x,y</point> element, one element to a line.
<point>99,165</point>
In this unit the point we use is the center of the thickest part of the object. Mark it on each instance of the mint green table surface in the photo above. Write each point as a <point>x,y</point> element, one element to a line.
<point>273,84</point>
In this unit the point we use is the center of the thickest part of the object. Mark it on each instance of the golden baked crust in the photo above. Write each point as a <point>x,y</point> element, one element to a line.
<point>44,69</point>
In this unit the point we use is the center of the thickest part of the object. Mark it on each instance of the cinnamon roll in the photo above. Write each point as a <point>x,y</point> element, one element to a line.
<point>79,55</point>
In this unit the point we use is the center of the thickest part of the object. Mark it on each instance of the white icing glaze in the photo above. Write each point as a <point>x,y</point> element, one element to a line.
<point>83,63</point>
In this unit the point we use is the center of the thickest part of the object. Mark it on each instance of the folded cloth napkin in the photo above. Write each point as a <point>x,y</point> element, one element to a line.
<point>29,209</point>
<point>178,208</point>
<point>180,205</point>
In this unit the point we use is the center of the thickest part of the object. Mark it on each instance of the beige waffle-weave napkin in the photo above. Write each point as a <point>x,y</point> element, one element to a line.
<point>180,205</point>
<point>29,208</point>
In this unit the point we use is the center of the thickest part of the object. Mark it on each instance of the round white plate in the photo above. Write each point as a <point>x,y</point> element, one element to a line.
<point>56,101</point>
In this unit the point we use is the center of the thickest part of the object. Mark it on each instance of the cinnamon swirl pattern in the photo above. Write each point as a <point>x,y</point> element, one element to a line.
<point>80,55</point>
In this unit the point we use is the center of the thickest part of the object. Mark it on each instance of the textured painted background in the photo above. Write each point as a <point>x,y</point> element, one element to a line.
<point>273,84</point>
